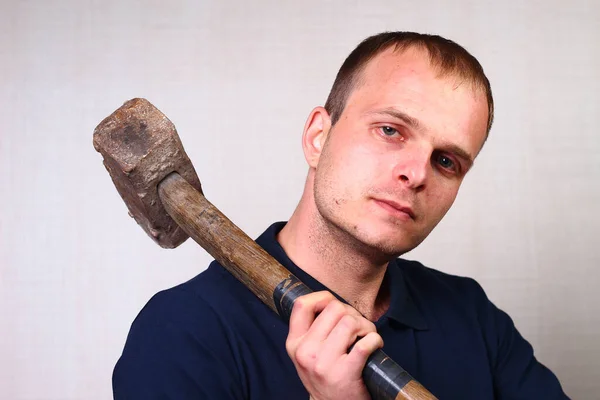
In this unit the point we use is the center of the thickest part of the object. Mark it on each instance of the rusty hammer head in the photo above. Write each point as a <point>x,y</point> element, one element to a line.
<point>140,147</point>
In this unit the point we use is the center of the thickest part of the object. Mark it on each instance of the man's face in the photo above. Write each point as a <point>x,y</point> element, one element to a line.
<point>391,166</point>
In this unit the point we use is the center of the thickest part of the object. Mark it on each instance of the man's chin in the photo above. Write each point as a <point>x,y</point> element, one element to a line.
<point>387,246</point>
<point>394,250</point>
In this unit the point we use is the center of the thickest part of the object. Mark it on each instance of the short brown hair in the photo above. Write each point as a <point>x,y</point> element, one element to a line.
<point>448,57</point>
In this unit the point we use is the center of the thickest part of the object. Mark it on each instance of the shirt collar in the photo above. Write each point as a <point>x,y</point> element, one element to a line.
<point>402,306</point>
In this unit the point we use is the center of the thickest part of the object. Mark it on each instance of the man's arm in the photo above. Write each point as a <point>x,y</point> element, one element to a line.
<point>177,349</point>
<point>517,373</point>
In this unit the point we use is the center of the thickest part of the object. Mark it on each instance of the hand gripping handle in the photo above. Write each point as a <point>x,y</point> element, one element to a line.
<point>385,380</point>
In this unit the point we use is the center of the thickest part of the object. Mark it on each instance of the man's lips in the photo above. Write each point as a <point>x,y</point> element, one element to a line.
<point>394,206</point>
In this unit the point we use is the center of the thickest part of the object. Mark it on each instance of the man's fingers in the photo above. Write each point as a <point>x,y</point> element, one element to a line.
<point>305,311</point>
<point>330,318</point>
<point>357,358</point>
<point>343,335</point>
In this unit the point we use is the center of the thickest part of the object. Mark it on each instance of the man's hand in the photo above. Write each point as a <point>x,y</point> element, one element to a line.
<point>321,330</point>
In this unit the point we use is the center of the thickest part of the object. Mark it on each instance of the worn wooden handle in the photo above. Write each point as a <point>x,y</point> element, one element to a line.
<point>272,283</point>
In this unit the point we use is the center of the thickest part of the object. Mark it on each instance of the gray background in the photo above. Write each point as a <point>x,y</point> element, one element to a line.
<point>238,79</point>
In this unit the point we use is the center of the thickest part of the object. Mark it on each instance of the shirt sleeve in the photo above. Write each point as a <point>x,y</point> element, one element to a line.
<point>517,373</point>
<point>177,348</point>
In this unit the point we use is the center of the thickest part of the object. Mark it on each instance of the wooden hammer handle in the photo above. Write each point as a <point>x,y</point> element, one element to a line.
<point>273,284</point>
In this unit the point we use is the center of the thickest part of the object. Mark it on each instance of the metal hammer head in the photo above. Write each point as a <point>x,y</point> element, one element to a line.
<point>140,147</point>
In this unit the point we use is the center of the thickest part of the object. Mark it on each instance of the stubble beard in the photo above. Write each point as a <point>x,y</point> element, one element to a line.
<point>333,223</point>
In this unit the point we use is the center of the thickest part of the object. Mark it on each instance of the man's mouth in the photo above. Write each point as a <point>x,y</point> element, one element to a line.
<point>396,208</point>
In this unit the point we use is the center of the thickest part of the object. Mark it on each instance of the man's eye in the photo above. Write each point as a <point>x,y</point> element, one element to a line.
<point>388,130</point>
<point>446,162</point>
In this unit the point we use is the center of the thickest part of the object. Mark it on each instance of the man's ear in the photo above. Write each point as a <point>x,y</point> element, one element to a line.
<point>316,131</point>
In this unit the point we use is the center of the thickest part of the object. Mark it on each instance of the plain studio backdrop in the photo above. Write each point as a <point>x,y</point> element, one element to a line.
<point>238,80</point>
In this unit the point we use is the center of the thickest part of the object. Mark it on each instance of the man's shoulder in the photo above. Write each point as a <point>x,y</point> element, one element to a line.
<point>209,294</point>
<point>450,300</point>
<point>213,285</point>
<point>430,283</point>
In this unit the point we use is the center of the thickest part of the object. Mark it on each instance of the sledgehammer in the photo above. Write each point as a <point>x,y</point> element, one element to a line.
<point>154,176</point>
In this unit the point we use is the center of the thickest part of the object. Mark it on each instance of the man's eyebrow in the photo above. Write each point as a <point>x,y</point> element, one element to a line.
<point>417,125</point>
<point>407,119</point>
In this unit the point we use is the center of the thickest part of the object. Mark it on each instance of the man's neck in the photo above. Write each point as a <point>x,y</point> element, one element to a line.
<point>327,256</point>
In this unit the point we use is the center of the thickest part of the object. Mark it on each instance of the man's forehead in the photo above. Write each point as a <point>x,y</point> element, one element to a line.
<point>408,62</point>
<point>412,65</point>
<point>407,72</point>
<point>409,59</point>
<point>406,81</point>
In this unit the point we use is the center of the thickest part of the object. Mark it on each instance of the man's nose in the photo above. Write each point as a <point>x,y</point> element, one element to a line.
<point>413,171</point>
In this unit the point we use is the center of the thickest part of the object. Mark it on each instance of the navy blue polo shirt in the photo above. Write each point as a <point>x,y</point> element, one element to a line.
<point>211,338</point>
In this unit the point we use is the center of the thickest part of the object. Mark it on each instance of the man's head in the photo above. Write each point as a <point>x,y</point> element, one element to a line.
<point>400,130</point>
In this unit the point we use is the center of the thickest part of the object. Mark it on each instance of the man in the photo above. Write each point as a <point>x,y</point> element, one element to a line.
<point>406,117</point>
